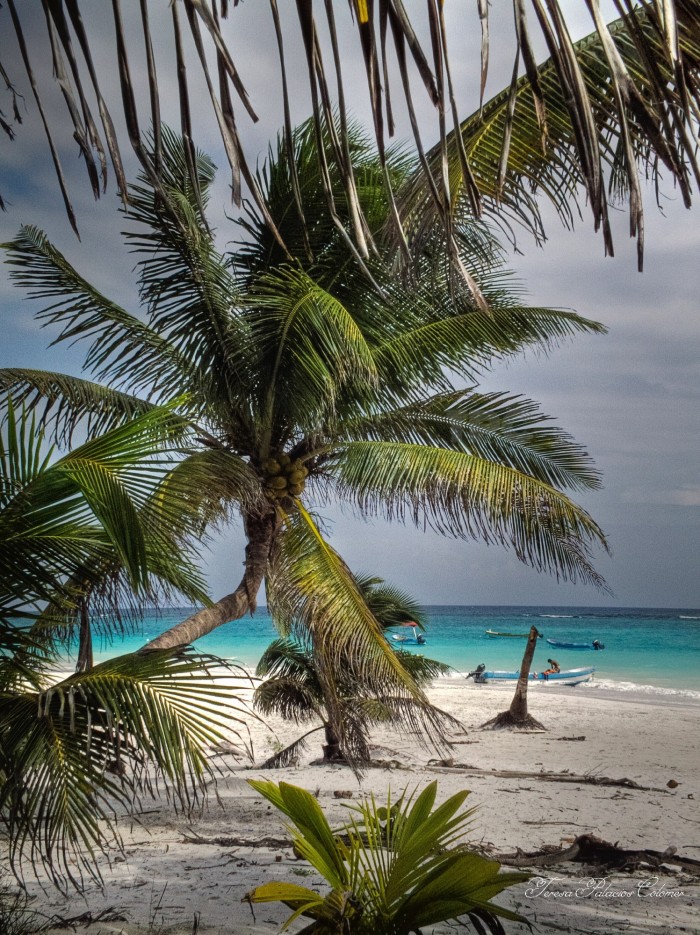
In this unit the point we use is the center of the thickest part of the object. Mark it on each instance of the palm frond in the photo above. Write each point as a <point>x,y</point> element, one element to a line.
<point>389,604</point>
<point>290,754</point>
<point>624,106</point>
<point>63,402</point>
<point>69,753</point>
<point>184,281</point>
<point>122,347</point>
<point>423,669</point>
<point>206,488</point>
<point>311,585</point>
<point>468,342</point>
<point>646,87</point>
<point>509,430</point>
<point>463,495</point>
<point>49,516</point>
<point>308,346</point>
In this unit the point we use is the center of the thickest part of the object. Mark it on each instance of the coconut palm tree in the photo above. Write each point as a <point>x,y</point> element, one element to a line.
<point>302,684</point>
<point>652,98</point>
<point>71,749</point>
<point>317,380</point>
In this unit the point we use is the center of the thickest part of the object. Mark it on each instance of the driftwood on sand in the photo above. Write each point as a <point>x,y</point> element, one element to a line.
<point>588,849</point>
<point>587,779</point>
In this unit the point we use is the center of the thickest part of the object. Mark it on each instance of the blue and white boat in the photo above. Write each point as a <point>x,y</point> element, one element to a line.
<point>565,677</point>
<point>410,634</point>
<point>560,644</point>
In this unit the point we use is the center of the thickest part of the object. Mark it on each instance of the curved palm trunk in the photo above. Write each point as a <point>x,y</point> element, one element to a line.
<point>260,532</point>
<point>85,660</point>
<point>517,715</point>
<point>518,706</point>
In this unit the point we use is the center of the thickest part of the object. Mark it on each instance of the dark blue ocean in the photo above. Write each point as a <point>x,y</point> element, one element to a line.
<point>648,650</point>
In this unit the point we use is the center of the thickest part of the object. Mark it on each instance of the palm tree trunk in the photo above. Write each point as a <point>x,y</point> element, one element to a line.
<point>517,715</point>
<point>331,748</point>
<point>85,656</point>
<point>518,706</point>
<point>260,532</point>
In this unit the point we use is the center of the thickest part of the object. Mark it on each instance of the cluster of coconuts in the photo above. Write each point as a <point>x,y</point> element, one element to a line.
<point>283,477</point>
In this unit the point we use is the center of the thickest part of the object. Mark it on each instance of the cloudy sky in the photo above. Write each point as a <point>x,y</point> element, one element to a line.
<point>632,396</point>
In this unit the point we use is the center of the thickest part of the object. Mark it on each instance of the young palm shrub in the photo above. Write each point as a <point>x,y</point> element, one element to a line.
<point>303,683</point>
<point>392,869</point>
<point>73,750</point>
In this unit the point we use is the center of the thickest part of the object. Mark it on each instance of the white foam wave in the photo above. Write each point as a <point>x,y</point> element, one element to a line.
<point>559,616</point>
<point>684,617</point>
<point>606,685</point>
<point>636,688</point>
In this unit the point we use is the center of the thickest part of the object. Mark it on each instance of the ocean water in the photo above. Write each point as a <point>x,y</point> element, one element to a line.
<point>653,651</point>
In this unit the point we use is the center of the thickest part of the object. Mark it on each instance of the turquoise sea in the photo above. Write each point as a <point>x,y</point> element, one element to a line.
<point>652,651</point>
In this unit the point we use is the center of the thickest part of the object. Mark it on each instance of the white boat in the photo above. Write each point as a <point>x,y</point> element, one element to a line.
<point>411,634</point>
<point>565,677</point>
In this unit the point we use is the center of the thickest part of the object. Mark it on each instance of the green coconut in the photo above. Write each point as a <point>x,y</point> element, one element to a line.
<point>295,489</point>
<point>278,483</point>
<point>284,459</point>
<point>272,467</point>
<point>296,477</point>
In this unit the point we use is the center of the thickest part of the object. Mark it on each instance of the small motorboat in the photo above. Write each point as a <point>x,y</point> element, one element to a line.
<point>411,635</point>
<point>568,677</point>
<point>560,644</point>
<point>514,636</point>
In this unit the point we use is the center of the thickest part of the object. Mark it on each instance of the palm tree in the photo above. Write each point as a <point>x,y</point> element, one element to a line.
<point>320,379</point>
<point>70,750</point>
<point>652,99</point>
<point>302,684</point>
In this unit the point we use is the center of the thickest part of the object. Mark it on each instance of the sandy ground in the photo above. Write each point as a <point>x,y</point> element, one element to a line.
<point>175,869</point>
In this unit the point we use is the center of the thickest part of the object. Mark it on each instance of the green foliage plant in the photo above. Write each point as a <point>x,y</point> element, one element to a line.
<point>392,869</point>
<point>73,750</point>
<point>302,683</point>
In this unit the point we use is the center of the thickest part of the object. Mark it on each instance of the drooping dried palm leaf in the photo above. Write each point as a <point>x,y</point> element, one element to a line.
<point>651,101</point>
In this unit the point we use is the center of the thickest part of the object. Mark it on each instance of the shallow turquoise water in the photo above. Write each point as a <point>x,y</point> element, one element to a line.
<point>647,649</point>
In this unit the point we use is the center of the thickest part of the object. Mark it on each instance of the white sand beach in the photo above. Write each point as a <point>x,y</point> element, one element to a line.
<point>176,869</point>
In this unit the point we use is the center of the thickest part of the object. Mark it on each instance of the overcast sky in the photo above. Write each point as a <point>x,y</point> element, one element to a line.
<point>632,397</point>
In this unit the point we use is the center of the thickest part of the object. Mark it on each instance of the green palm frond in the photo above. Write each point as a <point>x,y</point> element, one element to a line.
<point>389,604</point>
<point>70,752</point>
<point>308,345</point>
<point>184,281</point>
<point>396,866</point>
<point>206,487</point>
<point>24,654</point>
<point>508,430</point>
<point>312,586</point>
<point>447,338</point>
<point>288,698</point>
<point>122,348</point>
<point>83,507</point>
<point>289,755</point>
<point>423,669</point>
<point>463,495</point>
<point>63,402</point>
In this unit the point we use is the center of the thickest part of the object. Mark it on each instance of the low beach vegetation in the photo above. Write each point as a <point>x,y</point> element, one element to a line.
<point>302,684</point>
<point>79,532</point>
<point>390,869</point>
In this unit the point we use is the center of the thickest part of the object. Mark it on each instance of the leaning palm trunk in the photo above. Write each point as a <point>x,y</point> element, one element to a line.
<point>260,530</point>
<point>517,715</point>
